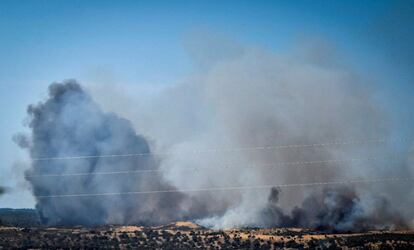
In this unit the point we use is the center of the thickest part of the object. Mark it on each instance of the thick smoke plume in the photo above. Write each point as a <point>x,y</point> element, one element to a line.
<point>254,97</point>
<point>70,123</point>
<point>334,209</point>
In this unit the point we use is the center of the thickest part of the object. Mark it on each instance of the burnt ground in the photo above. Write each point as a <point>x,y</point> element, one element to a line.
<point>186,235</point>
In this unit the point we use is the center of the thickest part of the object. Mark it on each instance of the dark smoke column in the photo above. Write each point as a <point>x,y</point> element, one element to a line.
<point>70,123</point>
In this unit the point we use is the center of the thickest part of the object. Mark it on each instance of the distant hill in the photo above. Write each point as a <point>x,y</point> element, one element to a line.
<point>19,217</point>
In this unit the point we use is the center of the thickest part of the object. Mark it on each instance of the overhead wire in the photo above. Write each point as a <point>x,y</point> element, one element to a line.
<point>232,188</point>
<point>270,165</point>
<point>224,149</point>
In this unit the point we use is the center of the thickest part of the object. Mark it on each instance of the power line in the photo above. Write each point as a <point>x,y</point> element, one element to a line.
<point>96,173</point>
<point>215,150</point>
<point>230,188</point>
<point>277,164</point>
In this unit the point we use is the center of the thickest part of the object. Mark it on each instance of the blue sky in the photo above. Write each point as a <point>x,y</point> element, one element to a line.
<point>143,42</point>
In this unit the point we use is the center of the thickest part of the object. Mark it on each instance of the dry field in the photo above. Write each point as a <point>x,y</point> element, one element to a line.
<point>187,235</point>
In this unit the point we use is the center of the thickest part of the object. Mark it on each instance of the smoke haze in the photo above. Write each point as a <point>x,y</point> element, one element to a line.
<point>261,98</point>
<point>254,97</point>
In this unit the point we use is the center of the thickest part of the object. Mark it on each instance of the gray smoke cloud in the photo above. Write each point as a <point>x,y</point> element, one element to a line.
<point>262,98</point>
<point>70,123</point>
<point>255,97</point>
<point>334,209</point>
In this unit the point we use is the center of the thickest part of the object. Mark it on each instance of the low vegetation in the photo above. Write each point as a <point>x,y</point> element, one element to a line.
<point>190,236</point>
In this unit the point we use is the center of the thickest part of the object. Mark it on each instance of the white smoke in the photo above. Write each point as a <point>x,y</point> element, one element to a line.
<point>257,97</point>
